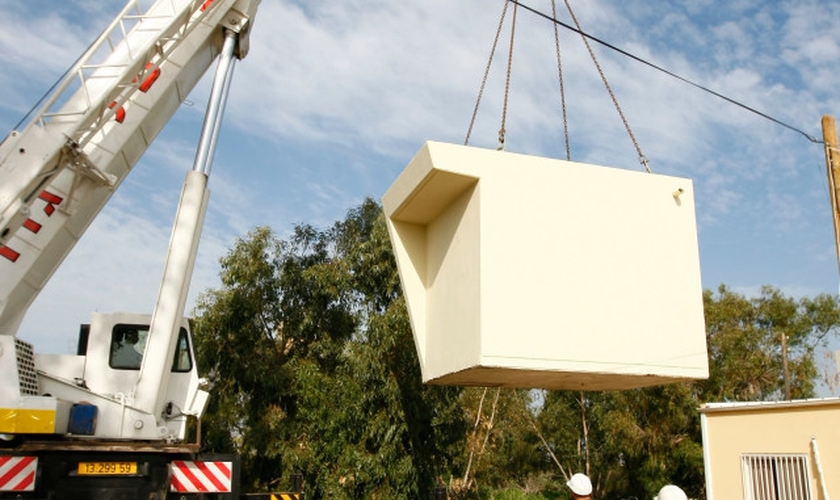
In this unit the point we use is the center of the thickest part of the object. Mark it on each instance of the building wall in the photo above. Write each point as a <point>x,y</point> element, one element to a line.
<point>732,430</point>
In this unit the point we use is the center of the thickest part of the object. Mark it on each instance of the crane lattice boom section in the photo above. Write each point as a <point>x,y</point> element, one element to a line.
<point>58,171</point>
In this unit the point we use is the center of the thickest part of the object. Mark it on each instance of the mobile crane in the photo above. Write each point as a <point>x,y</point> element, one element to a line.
<point>102,424</point>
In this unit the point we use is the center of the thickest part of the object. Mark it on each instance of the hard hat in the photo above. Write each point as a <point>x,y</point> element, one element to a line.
<point>671,492</point>
<point>580,485</point>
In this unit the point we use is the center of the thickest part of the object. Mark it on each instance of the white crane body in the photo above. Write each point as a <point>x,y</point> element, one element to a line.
<point>133,382</point>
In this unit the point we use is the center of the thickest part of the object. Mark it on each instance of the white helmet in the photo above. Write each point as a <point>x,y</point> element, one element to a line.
<point>671,492</point>
<point>580,485</point>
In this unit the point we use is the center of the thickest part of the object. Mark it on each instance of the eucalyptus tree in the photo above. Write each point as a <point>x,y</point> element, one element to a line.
<point>308,345</point>
<point>766,347</point>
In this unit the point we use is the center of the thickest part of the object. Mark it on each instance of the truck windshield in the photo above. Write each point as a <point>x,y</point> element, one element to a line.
<point>129,341</point>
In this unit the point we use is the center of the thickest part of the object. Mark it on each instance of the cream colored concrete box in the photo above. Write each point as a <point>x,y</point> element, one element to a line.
<point>520,271</point>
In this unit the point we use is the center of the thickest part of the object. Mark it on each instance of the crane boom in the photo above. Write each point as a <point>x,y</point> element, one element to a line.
<point>153,382</point>
<point>134,376</point>
<point>59,170</point>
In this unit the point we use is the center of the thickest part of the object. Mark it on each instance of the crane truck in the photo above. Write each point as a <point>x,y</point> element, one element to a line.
<point>111,420</point>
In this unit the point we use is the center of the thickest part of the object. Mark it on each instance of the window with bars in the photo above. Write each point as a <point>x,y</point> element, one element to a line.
<point>776,476</point>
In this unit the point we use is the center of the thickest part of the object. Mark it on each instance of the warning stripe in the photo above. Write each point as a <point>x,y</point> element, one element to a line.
<point>150,80</point>
<point>18,473</point>
<point>52,200</point>
<point>9,253</point>
<point>119,115</point>
<point>200,477</point>
<point>32,225</point>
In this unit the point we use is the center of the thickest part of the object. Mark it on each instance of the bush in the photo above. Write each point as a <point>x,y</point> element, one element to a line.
<point>514,494</point>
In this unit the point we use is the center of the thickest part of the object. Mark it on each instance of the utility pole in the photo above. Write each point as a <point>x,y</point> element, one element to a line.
<point>832,161</point>
<point>785,369</point>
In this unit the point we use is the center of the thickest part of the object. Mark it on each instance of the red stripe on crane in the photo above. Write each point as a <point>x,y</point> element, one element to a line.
<point>119,114</point>
<point>189,476</point>
<point>21,474</point>
<point>150,80</point>
<point>200,477</point>
<point>208,474</point>
<point>176,485</point>
<point>32,225</point>
<point>26,484</point>
<point>9,253</point>
<point>50,198</point>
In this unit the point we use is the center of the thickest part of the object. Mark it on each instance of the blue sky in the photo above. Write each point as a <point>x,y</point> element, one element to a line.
<point>336,97</point>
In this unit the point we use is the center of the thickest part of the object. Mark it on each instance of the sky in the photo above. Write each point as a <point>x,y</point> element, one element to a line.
<point>335,98</point>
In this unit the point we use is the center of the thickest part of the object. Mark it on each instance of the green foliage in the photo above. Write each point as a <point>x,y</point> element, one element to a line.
<point>308,346</point>
<point>501,447</point>
<point>514,494</point>
<point>310,352</point>
<point>746,356</point>
<point>647,438</point>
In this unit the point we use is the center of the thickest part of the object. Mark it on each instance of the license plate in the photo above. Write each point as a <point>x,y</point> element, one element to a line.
<point>107,468</point>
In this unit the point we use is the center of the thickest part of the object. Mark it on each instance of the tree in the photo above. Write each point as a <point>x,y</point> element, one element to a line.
<point>648,437</point>
<point>632,442</point>
<point>628,442</point>
<point>502,449</point>
<point>242,348</point>
<point>764,348</point>
<point>564,424</point>
<point>309,348</point>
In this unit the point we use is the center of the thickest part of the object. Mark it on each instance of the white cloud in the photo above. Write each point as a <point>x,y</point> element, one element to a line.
<point>111,268</point>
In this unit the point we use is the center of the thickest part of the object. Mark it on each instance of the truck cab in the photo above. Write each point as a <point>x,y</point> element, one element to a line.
<point>97,384</point>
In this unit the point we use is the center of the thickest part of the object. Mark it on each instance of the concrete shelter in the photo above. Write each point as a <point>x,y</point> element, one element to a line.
<point>521,271</point>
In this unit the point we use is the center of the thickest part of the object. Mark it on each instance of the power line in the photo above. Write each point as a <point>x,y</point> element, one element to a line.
<point>667,72</point>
